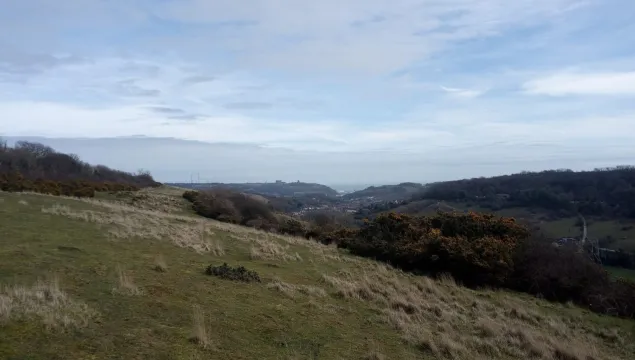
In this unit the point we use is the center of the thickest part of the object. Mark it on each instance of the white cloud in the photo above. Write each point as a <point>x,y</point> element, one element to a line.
<point>370,37</point>
<point>463,93</point>
<point>607,83</point>
<point>348,76</point>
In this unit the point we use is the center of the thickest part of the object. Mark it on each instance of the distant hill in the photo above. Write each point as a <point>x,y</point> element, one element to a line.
<point>606,192</point>
<point>278,188</point>
<point>401,191</point>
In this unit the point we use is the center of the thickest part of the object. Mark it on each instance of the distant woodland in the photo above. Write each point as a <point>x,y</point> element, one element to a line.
<point>606,192</point>
<point>30,166</point>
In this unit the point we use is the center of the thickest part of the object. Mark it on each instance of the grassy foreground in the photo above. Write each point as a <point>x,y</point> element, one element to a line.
<point>123,278</point>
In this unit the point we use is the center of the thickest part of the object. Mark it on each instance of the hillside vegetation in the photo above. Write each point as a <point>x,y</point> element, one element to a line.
<point>278,188</point>
<point>113,277</point>
<point>388,192</point>
<point>608,192</point>
<point>35,167</point>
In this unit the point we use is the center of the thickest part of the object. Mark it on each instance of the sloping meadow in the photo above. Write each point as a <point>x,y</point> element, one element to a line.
<point>131,283</point>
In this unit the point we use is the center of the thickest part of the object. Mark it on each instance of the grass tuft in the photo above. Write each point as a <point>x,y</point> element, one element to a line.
<point>46,301</point>
<point>199,329</point>
<point>126,284</point>
<point>159,263</point>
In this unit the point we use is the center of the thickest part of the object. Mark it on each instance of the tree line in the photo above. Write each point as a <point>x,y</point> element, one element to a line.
<point>603,192</point>
<point>30,166</point>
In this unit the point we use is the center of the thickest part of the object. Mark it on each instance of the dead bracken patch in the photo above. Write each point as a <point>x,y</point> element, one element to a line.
<point>46,301</point>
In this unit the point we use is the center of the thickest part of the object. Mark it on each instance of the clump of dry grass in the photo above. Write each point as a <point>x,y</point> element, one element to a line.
<point>126,285</point>
<point>159,263</point>
<point>451,322</point>
<point>264,248</point>
<point>46,301</point>
<point>125,222</point>
<point>199,329</point>
<point>291,290</point>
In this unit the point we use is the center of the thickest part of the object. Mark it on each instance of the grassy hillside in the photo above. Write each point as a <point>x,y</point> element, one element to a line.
<point>123,277</point>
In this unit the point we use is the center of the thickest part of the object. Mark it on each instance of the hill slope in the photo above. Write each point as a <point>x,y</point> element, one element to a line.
<point>401,191</point>
<point>120,278</point>
<point>278,188</point>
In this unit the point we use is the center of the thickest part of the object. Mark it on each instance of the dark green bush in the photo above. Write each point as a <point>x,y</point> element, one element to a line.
<point>233,207</point>
<point>292,227</point>
<point>239,273</point>
<point>190,195</point>
<point>476,249</point>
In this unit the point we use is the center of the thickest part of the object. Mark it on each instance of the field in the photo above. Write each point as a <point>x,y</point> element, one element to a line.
<point>123,277</point>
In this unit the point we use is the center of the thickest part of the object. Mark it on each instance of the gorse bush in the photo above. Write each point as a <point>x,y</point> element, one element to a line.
<point>475,249</point>
<point>239,273</point>
<point>483,250</point>
<point>16,182</point>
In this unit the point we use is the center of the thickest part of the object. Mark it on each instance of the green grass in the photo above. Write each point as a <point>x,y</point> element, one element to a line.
<point>246,321</point>
<point>295,313</point>
<point>622,273</point>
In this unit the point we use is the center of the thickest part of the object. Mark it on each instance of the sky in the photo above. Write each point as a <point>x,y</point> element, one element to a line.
<point>342,91</point>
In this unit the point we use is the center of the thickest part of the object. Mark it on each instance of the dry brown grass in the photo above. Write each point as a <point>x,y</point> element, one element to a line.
<point>199,328</point>
<point>126,285</point>
<point>292,290</point>
<point>159,263</point>
<point>266,246</point>
<point>451,322</point>
<point>125,222</point>
<point>46,301</point>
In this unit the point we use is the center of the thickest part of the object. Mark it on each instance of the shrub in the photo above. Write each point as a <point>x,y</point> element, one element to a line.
<point>190,195</point>
<point>292,227</point>
<point>566,274</point>
<point>239,273</point>
<point>84,192</point>
<point>476,249</point>
<point>234,207</point>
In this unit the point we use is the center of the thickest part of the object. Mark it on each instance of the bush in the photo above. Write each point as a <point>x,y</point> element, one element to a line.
<point>565,274</point>
<point>476,249</point>
<point>239,273</point>
<point>292,227</point>
<point>190,195</point>
<point>234,207</point>
<point>15,182</point>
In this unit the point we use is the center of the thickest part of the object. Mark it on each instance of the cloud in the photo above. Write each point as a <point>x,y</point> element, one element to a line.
<point>608,83</point>
<point>197,79</point>
<point>166,110</point>
<point>463,93</point>
<point>129,88</point>
<point>446,81</point>
<point>247,105</point>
